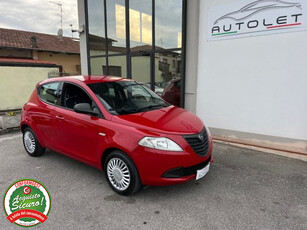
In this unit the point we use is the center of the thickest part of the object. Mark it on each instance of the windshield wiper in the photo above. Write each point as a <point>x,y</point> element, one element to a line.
<point>152,107</point>
<point>123,111</point>
<point>127,111</point>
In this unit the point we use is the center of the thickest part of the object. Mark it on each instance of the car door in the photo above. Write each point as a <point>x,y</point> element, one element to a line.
<point>77,134</point>
<point>42,115</point>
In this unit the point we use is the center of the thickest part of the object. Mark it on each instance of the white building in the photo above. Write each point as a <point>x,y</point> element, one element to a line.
<point>242,63</point>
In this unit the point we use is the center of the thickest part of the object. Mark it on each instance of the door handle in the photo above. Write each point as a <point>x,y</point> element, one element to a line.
<point>60,117</point>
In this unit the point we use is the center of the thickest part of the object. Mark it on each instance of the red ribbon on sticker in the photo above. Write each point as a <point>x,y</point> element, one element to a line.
<point>27,213</point>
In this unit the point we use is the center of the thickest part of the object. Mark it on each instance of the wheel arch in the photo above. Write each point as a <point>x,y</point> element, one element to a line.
<point>108,151</point>
<point>105,155</point>
<point>23,127</point>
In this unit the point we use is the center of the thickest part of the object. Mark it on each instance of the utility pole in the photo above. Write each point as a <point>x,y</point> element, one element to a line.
<point>61,14</point>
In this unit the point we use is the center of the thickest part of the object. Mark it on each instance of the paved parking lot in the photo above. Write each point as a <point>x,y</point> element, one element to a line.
<point>244,189</point>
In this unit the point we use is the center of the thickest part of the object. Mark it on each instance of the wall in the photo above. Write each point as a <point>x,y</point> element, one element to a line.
<point>67,61</point>
<point>4,52</point>
<point>83,44</point>
<point>192,36</point>
<point>98,63</point>
<point>140,66</point>
<point>253,85</point>
<point>17,84</point>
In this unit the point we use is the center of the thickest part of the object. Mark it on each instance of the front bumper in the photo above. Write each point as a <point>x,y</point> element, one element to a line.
<point>160,168</point>
<point>185,172</point>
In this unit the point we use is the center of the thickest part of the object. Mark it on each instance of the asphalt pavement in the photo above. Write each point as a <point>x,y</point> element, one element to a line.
<point>244,189</point>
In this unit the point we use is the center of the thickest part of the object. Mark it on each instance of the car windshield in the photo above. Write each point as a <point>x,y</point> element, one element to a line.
<point>126,97</point>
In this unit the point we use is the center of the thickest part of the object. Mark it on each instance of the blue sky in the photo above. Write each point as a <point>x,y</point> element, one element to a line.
<point>38,15</point>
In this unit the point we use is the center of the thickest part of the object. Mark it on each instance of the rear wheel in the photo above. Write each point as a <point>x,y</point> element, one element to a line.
<point>31,144</point>
<point>121,173</point>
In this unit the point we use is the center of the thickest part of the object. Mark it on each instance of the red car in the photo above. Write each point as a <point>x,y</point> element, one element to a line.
<point>171,93</point>
<point>118,126</point>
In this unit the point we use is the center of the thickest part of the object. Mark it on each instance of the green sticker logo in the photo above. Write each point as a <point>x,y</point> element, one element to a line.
<point>27,203</point>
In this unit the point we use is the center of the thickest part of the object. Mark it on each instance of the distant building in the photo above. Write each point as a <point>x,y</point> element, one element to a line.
<point>27,58</point>
<point>63,51</point>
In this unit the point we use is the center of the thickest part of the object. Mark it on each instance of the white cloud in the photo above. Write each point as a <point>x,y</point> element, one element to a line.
<point>38,15</point>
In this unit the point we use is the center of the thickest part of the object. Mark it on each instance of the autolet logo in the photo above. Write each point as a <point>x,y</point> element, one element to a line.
<point>27,203</point>
<point>258,16</point>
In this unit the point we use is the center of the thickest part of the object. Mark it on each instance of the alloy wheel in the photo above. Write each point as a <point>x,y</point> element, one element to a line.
<point>118,174</point>
<point>29,142</point>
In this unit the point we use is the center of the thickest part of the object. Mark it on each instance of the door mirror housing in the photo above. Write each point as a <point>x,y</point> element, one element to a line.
<point>85,108</point>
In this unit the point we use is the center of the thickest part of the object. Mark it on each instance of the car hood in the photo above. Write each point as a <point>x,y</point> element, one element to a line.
<point>172,120</point>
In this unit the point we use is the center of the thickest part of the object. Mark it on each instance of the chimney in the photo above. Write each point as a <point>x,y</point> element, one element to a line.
<point>33,41</point>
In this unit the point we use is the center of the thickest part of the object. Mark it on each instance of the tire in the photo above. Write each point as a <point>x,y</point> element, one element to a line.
<point>121,173</point>
<point>31,144</point>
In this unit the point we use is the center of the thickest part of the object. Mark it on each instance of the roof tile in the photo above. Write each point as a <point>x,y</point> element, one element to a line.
<point>45,42</point>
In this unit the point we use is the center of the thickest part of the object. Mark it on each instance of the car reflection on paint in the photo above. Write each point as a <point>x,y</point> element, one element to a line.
<point>171,93</point>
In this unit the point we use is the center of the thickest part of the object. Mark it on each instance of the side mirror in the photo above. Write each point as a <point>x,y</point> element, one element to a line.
<point>85,108</point>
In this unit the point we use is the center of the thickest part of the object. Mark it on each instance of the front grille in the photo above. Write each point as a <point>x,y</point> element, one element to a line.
<point>198,144</point>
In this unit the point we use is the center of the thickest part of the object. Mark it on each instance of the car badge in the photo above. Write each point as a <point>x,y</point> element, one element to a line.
<point>200,137</point>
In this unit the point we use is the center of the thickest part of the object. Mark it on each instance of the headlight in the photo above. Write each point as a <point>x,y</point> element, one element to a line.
<point>161,143</point>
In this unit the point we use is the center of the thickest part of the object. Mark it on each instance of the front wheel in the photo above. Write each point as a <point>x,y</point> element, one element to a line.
<point>121,173</point>
<point>31,144</point>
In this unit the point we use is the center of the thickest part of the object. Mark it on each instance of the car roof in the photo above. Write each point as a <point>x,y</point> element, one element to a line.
<point>87,79</point>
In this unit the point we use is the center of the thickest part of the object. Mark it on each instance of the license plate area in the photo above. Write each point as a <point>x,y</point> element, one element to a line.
<point>202,172</point>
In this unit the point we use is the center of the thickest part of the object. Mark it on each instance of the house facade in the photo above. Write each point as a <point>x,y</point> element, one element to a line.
<point>27,58</point>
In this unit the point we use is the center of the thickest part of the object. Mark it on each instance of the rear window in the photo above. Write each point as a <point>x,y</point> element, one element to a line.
<point>49,93</point>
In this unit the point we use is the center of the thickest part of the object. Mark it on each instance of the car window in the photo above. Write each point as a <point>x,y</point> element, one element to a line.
<point>126,97</point>
<point>49,93</point>
<point>138,93</point>
<point>111,94</point>
<point>73,95</point>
